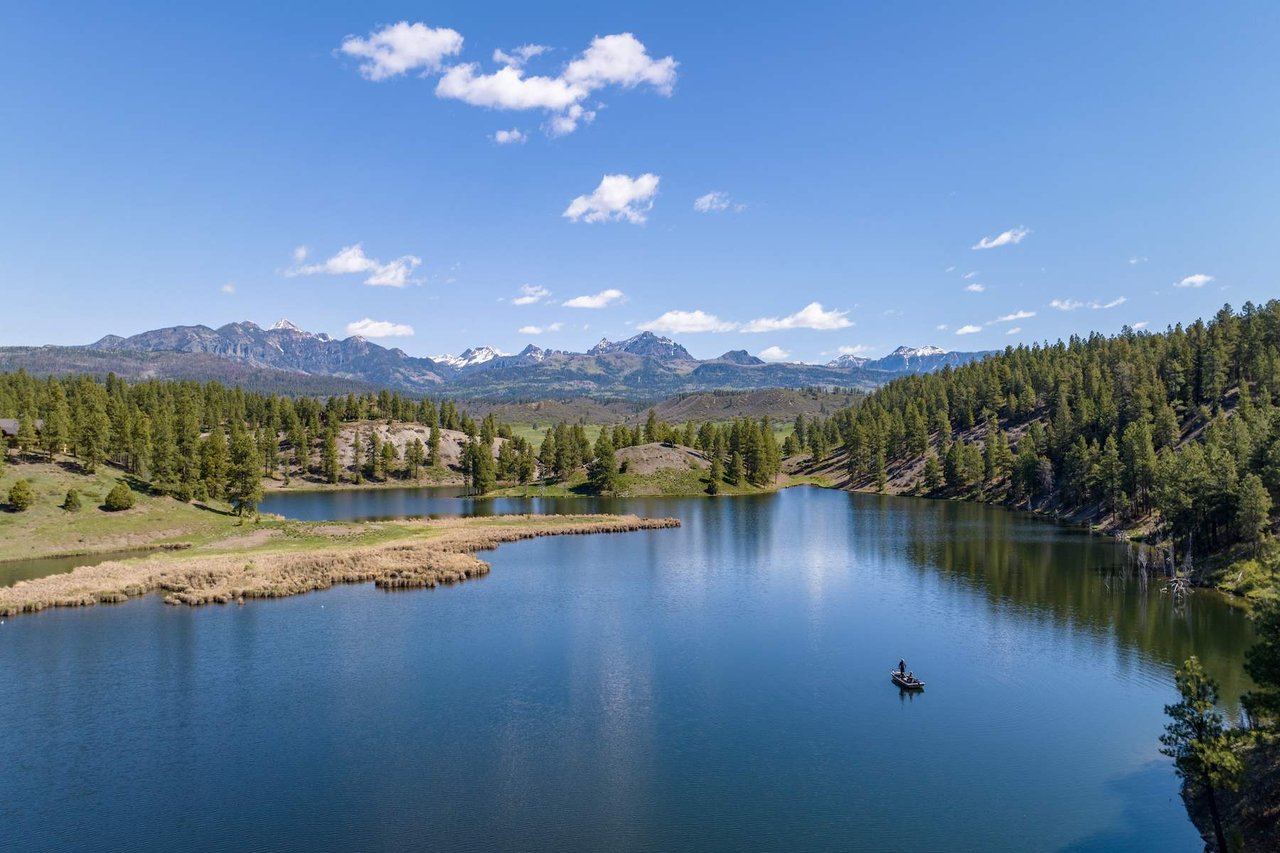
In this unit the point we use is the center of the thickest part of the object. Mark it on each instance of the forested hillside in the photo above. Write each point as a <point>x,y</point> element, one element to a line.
<point>1175,435</point>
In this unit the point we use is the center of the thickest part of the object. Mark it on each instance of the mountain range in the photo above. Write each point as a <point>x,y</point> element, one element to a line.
<point>643,367</point>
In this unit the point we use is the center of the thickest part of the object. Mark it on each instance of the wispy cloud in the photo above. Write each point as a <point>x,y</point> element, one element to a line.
<point>539,330</point>
<point>603,299</point>
<point>773,354</point>
<point>968,330</point>
<point>1014,317</point>
<point>509,137</point>
<point>856,349</point>
<point>228,288</point>
<point>368,328</point>
<point>1197,280</point>
<point>716,202</point>
<point>1013,331</point>
<point>1004,238</point>
<point>1135,260</point>
<point>976,287</point>
<point>531,294</point>
<point>399,48</point>
<point>970,274</point>
<point>1076,304</point>
<point>687,322</point>
<point>352,260</point>
<point>811,316</point>
<point>618,197</point>
<point>1140,325</point>
<point>520,55</point>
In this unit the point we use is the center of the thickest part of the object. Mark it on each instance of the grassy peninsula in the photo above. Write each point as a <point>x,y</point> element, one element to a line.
<point>279,559</point>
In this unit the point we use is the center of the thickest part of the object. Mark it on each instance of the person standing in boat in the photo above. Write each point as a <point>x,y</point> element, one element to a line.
<point>902,667</point>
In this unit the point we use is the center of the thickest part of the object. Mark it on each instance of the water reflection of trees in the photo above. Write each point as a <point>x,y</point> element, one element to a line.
<point>1089,582</point>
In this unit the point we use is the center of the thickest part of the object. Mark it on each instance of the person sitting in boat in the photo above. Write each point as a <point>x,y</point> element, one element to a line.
<point>911,677</point>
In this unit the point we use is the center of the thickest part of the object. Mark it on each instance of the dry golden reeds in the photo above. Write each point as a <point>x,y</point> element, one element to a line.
<point>444,556</point>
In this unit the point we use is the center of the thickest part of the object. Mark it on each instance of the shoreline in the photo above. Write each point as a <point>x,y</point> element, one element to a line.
<point>405,555</point>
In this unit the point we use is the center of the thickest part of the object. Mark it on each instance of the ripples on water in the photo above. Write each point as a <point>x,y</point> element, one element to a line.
<point>720,686</point>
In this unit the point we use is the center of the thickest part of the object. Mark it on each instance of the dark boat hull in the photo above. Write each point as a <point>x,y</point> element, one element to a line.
<point>902,682</point>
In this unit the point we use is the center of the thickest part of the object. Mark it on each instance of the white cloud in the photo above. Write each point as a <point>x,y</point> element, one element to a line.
<point>400,48</point>
<point>1066,304</point>
<point>352,260</point>
<point>1004,238</point>
<point>951,268</point>
<point>597,300</point>
<point>811,316</point>
<point>687,322</point>
<point>367,328</point>
<point>773,354</point>
<point>1112,304</point>
<point>228,288</point>
<point>538,330</point>
<point>300,254</point>
<point>519,56</point>
<point>507,137</point>
<point>714,202</point>
<point>968,330</point>
<point>613,60</point>
<point>969,275</point>
<point>1138,260</point>
<point>1140,325</point>
<point>531,294</point>
<point>1015,316</point>
<point>1013,331</point>
<point>976,287</point>
<point>941,327</point>
<point>1197,280</point>
<point>857,349</point>
<point>618,197</point>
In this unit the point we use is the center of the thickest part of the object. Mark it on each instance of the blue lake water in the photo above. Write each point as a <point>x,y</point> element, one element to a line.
<point>720,686</point>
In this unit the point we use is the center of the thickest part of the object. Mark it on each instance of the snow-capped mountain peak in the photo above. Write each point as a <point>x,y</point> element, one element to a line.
<point>283,325</point>
<point>469,357</point>
<point>918,352</point>
<point>848,360</point>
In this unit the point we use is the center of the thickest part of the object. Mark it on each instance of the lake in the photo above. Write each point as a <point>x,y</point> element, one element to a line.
<point>720,686</point>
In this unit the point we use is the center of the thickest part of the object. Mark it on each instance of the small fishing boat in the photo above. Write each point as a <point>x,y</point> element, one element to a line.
<point>906,682</point>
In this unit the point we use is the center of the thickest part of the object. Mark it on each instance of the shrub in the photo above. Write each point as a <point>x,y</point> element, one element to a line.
<point>119,498</point>
<point>71,503</point>
<point>21,497</point>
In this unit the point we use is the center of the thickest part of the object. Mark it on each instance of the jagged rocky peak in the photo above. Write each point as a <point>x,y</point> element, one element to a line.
<point>646,344</point>
<point>284,325</point>
<point>847,360</point>
<point>740,356</point>
<point>469,357</point>
<point>918,352</point>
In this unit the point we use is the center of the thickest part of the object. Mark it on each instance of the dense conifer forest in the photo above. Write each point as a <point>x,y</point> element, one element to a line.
<point>1174,434</point>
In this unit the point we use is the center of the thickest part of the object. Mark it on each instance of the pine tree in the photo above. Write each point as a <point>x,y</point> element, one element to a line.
<point>1196,740</point>
<point>244,475</point>
<point>737,470</point>
<point>329,456</point>
<point>603,470</point>
<point>715,476</point>
<point>1253,513</point>
<point>433,447</point>
<point>357,457</point>
<point>932,472</point>
<point>1262,662</point>
<point>213,463</point>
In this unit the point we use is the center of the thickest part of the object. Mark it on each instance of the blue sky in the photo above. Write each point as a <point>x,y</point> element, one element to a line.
<point>163,164</point>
